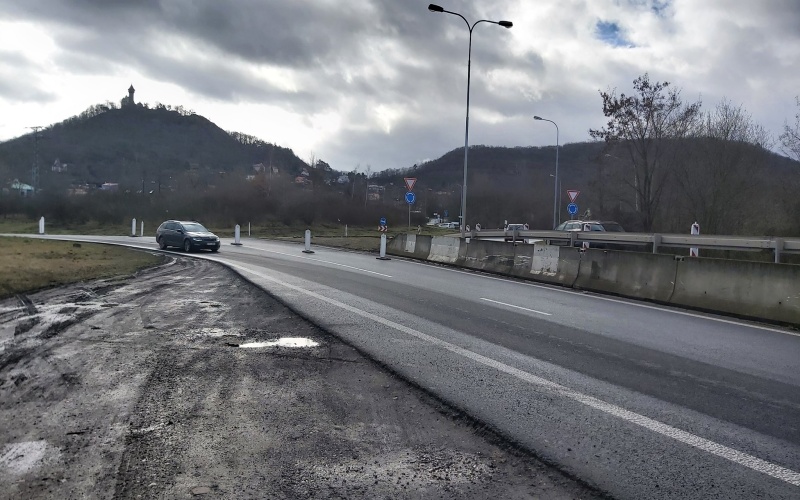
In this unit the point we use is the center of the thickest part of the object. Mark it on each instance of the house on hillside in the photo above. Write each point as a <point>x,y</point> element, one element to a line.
<point>59,167</point>
<point>21,188</point>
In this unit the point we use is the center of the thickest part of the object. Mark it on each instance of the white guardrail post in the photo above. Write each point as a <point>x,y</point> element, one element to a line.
<point>778,248</point>
<point>41,225</point>
<point>141,232</point>
<point>308,242</point>
<point>237,234</point>
<point>133,226</point>
<point>694,251</point>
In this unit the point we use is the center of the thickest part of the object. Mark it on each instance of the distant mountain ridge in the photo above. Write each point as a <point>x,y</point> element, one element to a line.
<point>123,144</point>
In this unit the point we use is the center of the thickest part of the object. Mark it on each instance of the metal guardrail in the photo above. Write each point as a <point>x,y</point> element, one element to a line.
<point>574,238</point>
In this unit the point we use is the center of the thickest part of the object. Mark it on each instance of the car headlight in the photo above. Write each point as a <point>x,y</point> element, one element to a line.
<point>195,238</point>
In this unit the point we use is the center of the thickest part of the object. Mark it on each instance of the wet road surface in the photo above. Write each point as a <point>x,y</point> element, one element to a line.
<point>137,388</point>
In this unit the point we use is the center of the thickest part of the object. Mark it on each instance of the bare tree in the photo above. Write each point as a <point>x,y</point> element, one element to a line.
<point>790,138</point>
<point>718,166</point>
<point>645,125</point>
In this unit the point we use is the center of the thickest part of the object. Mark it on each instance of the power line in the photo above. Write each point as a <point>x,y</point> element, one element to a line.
<point>35,170</point>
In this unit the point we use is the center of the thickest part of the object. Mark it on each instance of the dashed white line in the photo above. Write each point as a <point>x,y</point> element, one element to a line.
<point>516,307</point>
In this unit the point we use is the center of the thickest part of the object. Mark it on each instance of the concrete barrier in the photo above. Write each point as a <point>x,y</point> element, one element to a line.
<point>492,256</point>
<point>641,275</point>
<point>754,289</point>
<point>410,245</point>
<point>444,249</point>
<point>523,258</point>
<point>554,264</point>
<point>397,244</point>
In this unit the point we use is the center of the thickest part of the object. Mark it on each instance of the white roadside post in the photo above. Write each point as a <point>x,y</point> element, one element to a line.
<point>308,242</point>
<point>141,232</point>
<point>383,248</point>
<point>133,227</point>
<point>237,234</point>
<point>585,244</point>
<point>41,225</point>
<point>694,251</point>
<point>248,229</point>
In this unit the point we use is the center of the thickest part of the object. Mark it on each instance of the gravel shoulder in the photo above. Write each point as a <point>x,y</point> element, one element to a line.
<point>137,388</point>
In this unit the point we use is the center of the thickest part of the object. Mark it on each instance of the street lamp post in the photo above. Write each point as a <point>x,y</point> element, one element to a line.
<point>555,181</point>
<point>505,24</point>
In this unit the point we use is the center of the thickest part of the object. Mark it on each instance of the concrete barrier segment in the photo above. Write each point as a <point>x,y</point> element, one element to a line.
<point>760,290</point>
<point>492,256</point>
<point>641,275</point>
<point>444,249</point>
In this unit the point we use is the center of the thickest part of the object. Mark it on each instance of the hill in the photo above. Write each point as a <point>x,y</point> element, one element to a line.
<point>130,143</point>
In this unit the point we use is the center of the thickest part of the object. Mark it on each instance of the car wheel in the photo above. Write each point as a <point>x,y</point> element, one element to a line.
<point>161,244</point>
<point>215,249</point>
<point>187,246</point>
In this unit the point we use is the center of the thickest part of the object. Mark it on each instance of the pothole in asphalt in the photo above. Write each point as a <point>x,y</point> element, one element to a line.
<point>282,342</point>
<point>217,332</point>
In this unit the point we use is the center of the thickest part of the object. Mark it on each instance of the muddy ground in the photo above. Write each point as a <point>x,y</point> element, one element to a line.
<point>136,388</point>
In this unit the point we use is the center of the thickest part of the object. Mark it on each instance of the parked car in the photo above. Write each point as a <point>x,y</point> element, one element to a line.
<point>592,225</point>
<point>449,225</point>
<point>187,235</point>
<point>515,227</point>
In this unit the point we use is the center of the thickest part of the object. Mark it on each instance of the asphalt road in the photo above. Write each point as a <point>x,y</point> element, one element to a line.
<point>186,381</point>
<point>639,400</point>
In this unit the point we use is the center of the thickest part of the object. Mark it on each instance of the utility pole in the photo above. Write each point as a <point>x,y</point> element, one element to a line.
<point>35,170</point>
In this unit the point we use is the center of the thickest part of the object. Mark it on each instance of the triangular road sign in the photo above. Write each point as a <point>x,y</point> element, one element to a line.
<point>410,181</point>
<point>573,194</point>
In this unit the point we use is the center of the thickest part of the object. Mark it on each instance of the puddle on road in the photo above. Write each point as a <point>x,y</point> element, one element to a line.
<point>282,342</point>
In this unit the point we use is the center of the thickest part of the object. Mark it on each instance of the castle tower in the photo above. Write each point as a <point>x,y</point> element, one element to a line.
<point>131,90</point>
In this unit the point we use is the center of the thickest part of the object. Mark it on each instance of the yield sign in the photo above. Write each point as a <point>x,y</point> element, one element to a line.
<point>410,181</point>
<point>572,195</point>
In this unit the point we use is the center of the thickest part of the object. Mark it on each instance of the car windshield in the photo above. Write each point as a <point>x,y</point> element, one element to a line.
<point>194,227</point>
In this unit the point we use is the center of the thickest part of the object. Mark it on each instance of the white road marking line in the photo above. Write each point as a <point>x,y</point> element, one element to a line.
<point>735,456</point>
<point>319,260</point>
<point>556,288</point>
<point>516,307</point>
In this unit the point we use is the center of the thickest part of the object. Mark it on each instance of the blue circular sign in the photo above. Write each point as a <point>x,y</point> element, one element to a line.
<point>383,221</point>
<point>410,198</point>
<point>572,208</point>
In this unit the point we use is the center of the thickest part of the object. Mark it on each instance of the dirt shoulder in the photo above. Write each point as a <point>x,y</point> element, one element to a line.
<point>137,388</point>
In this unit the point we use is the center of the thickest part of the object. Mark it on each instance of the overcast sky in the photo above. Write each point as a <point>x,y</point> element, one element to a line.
<point>383,82</point>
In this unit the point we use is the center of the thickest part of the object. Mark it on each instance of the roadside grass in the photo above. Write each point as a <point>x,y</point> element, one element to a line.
<point>14,225</point>
<point>30,264</point>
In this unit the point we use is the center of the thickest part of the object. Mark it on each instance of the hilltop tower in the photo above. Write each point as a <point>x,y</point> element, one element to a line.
<point>131,90</point>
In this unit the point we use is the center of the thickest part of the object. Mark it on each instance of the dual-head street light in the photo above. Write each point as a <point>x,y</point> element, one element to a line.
<point>505,24</point>
<point>555,181</point>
